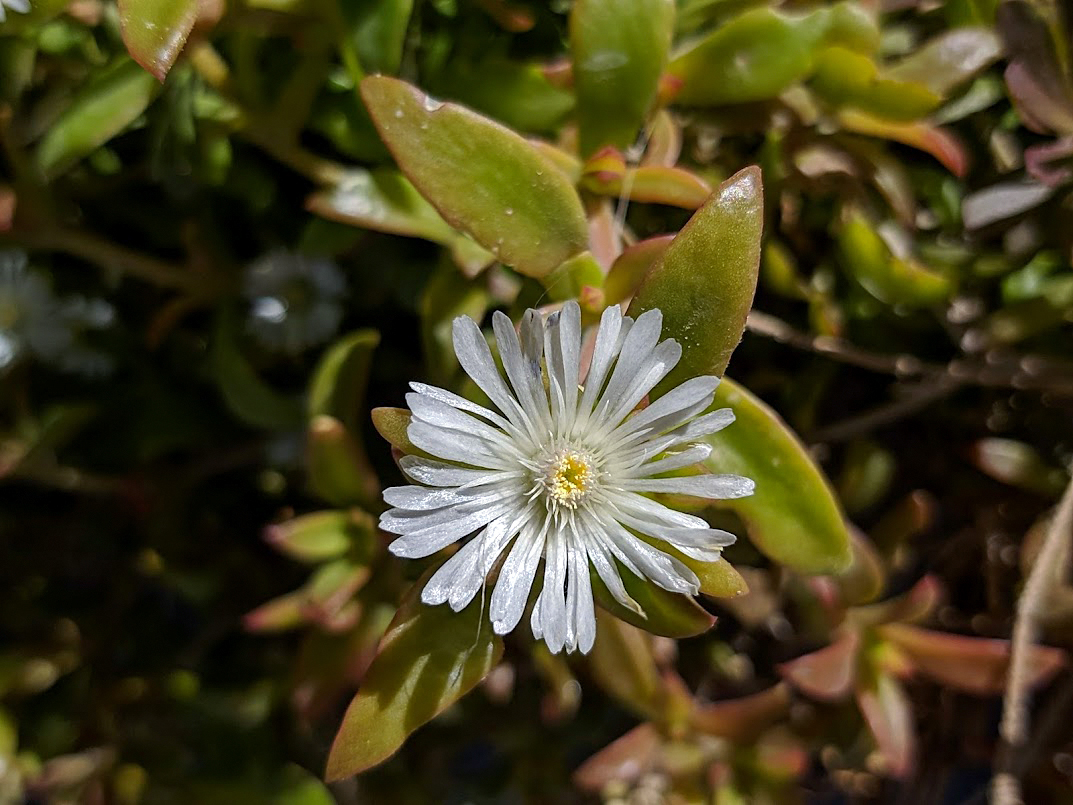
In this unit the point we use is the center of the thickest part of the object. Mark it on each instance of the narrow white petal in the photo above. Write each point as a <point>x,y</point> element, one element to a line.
<point>423,498</point>
<point>584,608</point>
<point>552,596</point>
<point>496,536</point>
<point>659,363</point>
<point>461,403</point>
<point>440,415</point>
<point>655,512</point>
<point>516,580</point>
<point>456,446</point>
<point>716,487</point>
<point>476,359</point>
<point>634,351</point>
<point>686,395</point>
<point>524,374</point>
<point>603,354</point>
<point>418,544</point>
<point>457,570</point>
<point>666,571</point>
<point>675,461</point>
<point>403,521</point>
<point>437,473</point>
<point>704,426</point>
<point>606,569</point>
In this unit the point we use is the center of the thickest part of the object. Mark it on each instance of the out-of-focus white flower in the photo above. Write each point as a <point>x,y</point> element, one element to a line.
<point>22,6</point>
<point>562,472</point>
<point>295,300</point>
<point>34,322</point>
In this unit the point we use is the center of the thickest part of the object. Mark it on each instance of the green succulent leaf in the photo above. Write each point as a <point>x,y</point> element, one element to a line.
<point>620,48</point>
<point>155,31</point>
<point>340,379</point>
<point>793,517</point>
<point>339,471</point>
<point>483,178</point>
<point>758,54</point>
<point>106,106</point>
<point>705,281</point>
<point>663,613</point>
<point>429,658</point>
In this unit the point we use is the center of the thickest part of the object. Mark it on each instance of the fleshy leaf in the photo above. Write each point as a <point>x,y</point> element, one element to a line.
<point>949,59</point>
<point>339,381</point>
<point>102,110</point>
<point>889,714</point>
<point>386,201</point>
<point>623,665</point>
<point>620,48</point>
<point>155,31</point>
<point>429,658</point>
<point>705,281</point>
<point>793,517</point>
<point>972,664</point>
<point>632,266</point>
<point>339,471</point>
<point>483,178</point>
<point>758,54</point>
<point>653,184</point>
<point>934,140</point>
<point>626,759</point>
<point>319,536</point>
<point>828,673</point>
<point>665,613</point>
<point>743,719</point>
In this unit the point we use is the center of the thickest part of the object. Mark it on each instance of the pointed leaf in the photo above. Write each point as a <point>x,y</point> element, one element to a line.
<point>972,664</point>
<point>949,59</point>
<point>793,517</point>
<point>889,714</point>
<point>322,535</point>
<point>429,658</point>
<point>392,424</point>
<point>827,674</point>
<point>339,470</point>
<point>705,282</point>
<point>632,266</point>
<point>665,613</point>
<point>620,48</point>
<point>340,379</point>
<point>626,759</point>
<point>742,720</point>
<point>938,142</point>
<point>155,31</point>
<point>483,178</point>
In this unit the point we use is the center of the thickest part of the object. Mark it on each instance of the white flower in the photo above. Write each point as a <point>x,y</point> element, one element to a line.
<point>295,300</point>
<point>22,6</point>
<point>563,471</point>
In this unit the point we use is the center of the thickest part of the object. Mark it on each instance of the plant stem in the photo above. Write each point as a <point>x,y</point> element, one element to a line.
<point>1006,787</point>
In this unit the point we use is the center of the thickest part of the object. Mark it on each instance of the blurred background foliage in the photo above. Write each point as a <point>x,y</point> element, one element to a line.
<point>212,269</point>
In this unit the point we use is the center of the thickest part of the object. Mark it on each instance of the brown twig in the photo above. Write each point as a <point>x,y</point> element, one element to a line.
<point>1006,786</point>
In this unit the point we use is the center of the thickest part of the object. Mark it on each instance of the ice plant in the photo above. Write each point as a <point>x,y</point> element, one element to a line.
<point>563,470</point>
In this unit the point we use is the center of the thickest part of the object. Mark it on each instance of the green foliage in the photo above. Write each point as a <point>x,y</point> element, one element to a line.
<point>860,208</point>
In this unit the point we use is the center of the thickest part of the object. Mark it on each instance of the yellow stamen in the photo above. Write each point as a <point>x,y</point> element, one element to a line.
<point>569,478</point>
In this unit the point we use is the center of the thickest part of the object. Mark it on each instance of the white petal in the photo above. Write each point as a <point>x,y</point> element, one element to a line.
<point>437,473</point>
<point>675,461</point>
<point>688,394</point>
<point>472,352</point>
<point>612,410</point>
<point>552,596</point>
<point>704,426</point>
<point>716,487</point>
<point>562,350</point>
<point>524,374</point>
<point>532,337</point>
<point>456,446</point>
<point>418,544</point>
<point>441,415</point>
<point>457,570</point>
<point>635,350</point>
<point>461,403</point>
<point>403,521</point>
<point>603,353</point>
<point>655,512</point>
<point>608,571</point>
<point>666,571</point>
<point>423,498</point>
<point>516,580</point>
<point>580,605</point>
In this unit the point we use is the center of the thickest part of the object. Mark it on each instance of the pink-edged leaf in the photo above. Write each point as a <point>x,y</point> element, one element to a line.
<point>912,607</point>
<point>829,673</point>
<point>973,664</point>
<point>889,714</point>
<point>744,718</point>
<point>632,266</point>
<point>626,759</point>
<point>155,31</point>
<point>938,142</point>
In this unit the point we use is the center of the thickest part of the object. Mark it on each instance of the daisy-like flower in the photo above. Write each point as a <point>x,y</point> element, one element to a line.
<point>295,300</point>
<point>22,6</point>
<point>561,471</point>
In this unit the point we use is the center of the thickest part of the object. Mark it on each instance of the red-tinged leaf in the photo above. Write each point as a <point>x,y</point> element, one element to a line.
<point>429,658</point>
<point>938,142</point>
<point>624,666</point>
<point>742,720</point>
<point>864,579</point>
<point>912,607</point>
<point>972,664</point>
<point>829,673</point>
<point>632,266</point>
<point>392,424</point>
<point>889,714</point>
<point>155,31</point>
<point>278,615</point>
<point>319,536</point>
<point>483,178</point>
<point>705,282</point>
<point>626,759</point>
<point>652,184</point>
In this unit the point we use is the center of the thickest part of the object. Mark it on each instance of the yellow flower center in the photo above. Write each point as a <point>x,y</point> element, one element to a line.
<point>570,476</point>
